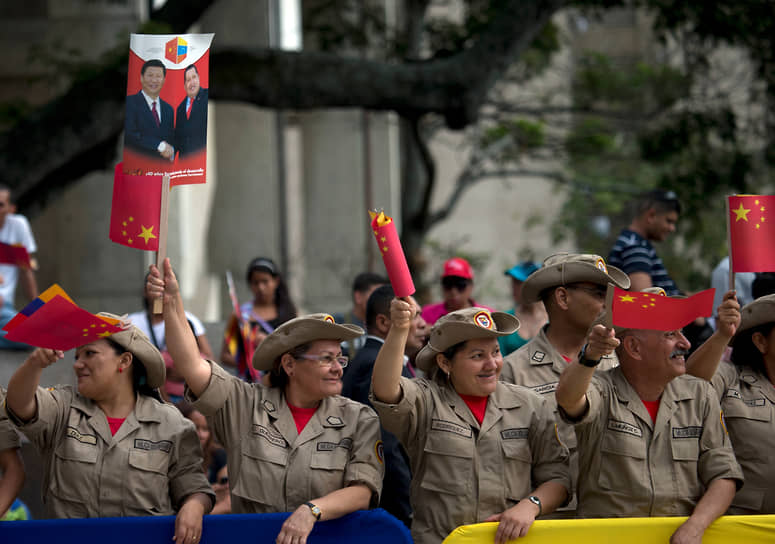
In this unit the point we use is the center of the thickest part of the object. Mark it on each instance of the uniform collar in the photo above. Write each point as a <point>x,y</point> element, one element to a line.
<point>542,352</point>
<point>499,400</point>
<point>756,380</point>
<point>328,415</point>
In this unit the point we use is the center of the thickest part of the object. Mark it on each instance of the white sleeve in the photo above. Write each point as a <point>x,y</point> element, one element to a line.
<point>25,234</point>
<point>199,329</point>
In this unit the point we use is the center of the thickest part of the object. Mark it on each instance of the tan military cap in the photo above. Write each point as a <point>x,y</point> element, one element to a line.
<point>462,325</point>
<point>564,268</point>
<point>298,331</point>
<point>137,343</point>
<point>758,312</point>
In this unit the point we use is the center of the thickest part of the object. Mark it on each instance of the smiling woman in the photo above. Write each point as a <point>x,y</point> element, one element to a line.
<point>295,445</point>
<point>111,447</point>
<point>480,449</point>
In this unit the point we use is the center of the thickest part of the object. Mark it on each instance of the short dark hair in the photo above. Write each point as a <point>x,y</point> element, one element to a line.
<point>153,62</point>
<point>745,353</point>
<point>277,376</point>
<point>188,68</point>
<point>763,284</point>
<point>378,304</point>
<point>660,200</point>
<point>366,280</point>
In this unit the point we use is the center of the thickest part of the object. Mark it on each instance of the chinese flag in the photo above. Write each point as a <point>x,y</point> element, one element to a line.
<point>752,233</point>
<point>16,255</point>
<point>135,214</point>
<point>392,254</point>
<point>636,310</point>
<point>54,321</point>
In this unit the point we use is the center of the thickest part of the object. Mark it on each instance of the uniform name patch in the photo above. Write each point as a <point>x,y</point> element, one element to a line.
<point>754,402</point>
<point>514,434</point>
<point>450,427</point>
<point>72,432</point>
<point>272,438</point>
<point>345,443</point>
<point>624,427</point>
<point>687,432</point>
<point>545,388</point>
<point>150,445</point>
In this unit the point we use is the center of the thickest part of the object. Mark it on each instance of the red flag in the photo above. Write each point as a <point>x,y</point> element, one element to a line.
<point>752,233</point>
<point>385,233</point>
<point>14,254</point>
<point>134,216</point>
<point>637,310</point>
<point>58,323</point>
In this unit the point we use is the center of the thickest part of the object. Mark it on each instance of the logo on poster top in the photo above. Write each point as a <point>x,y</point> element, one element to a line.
<point>176,50</point>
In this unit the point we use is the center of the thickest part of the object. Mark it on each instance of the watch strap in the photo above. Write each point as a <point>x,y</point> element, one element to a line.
<point>535,500</point>
<point>584,361</point>
<point>315,510</point>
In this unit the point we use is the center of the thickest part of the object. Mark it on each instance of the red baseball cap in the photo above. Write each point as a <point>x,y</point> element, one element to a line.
<point>457,266</point>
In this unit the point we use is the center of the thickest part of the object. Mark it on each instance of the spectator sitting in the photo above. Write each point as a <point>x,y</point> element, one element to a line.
<point>271,307</point>
<point>532,316</point>
<point>364,285</point>
<point>152,326</point>
<point>457,285</point>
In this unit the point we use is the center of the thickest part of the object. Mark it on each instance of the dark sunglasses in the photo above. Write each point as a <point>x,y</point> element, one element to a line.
<point>454,282</point>
<point>223,480</point>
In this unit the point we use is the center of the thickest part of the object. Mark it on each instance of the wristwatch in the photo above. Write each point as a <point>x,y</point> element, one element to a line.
<point>583,360</point>
<point>535,500</point>
<point>315,510</point>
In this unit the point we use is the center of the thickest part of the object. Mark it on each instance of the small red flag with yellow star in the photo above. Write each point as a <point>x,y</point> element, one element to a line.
<point>384,229</point>
<point>54,321</point>
<point>638,310</point>
<point>752,233</point>
<point>135,214</point>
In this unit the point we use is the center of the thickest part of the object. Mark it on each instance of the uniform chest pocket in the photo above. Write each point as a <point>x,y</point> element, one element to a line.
<point>686,452</point>
<point>74,470</point>
<point>744,423</point>
<point>261,474</point>
<point>517,464</point>
<point>328,468</point>
<point>448,461</point>
<point>622,454</point>
<point>148,485</point>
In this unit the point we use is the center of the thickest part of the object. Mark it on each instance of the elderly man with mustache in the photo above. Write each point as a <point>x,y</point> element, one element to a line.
<point>651,439</point>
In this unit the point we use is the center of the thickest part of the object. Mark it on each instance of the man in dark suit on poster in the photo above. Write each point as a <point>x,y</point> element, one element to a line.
<point>149,124</point>
<point>191,115</point>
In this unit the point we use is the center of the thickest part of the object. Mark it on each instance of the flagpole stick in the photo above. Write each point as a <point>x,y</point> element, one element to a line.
<point>161,254</point>
<point>729,250</point>
<point>608,318</point>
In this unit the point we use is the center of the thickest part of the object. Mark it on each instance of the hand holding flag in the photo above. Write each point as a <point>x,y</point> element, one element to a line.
<point>385,233</point>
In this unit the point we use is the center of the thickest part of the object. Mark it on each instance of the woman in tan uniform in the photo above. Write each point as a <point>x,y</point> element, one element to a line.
<point>747,393</point>
<point>481,450</point>
<point>11,466</point>
<point>112,448</point>
<point>295,445</point>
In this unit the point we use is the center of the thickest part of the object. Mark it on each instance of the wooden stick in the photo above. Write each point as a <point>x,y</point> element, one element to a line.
<point>161,254</point>
<point>729,249</point>
<point>608,318</point>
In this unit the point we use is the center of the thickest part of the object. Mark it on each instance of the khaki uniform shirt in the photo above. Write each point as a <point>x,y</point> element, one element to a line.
<point>464,472</point>
<point>151,465</point>
<point>635,468</point>
<point>538,365</point>
<point>273,468</point>
<point>748,401</point>
<point>9,439</point>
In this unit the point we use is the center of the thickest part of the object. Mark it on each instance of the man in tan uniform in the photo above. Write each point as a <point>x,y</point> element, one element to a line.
<point>572,288</point>
<point>651,441</point>
<point>11,466</point>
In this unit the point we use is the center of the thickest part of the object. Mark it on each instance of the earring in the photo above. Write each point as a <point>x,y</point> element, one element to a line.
<point>120,370</point>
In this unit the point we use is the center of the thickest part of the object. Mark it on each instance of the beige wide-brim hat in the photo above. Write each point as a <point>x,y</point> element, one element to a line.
<point>758,312</point>
<point>460,326</point>
<point>137,343</point>
<point>565,268</point>
<point>298,331</point>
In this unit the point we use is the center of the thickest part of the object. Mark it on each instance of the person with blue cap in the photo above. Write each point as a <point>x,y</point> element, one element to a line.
<point>532,315</point>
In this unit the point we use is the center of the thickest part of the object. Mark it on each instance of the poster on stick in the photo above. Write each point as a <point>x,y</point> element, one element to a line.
<point>165,128</point>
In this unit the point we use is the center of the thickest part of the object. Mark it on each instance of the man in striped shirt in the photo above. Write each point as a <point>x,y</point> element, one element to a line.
<point>656,217</point>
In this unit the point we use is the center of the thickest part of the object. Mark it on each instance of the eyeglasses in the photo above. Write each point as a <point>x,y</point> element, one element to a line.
<point>326,360</point>
<point>454,282</point>
<point>597,291</point>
